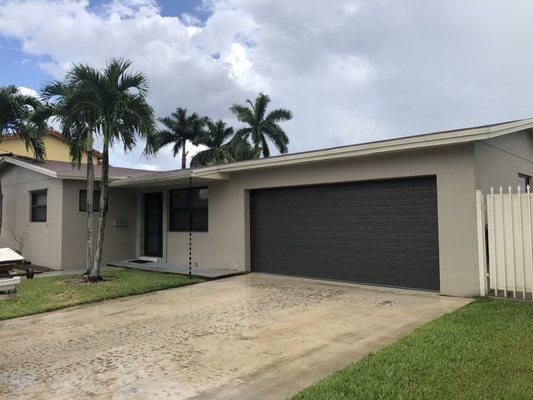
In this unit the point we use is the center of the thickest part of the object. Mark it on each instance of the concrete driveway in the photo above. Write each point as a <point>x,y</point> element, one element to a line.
<point>253,336</point>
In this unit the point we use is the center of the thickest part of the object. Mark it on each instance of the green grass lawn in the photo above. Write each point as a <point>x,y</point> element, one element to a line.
<point>55,292</point>
<point>481,351</point>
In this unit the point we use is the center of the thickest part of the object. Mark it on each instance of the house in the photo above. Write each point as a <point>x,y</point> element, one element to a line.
<point>45,202</point>
<point>397,212</point>
<point>56,146</point>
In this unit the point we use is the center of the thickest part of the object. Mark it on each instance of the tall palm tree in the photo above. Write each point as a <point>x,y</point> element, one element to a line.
<point>262,127</point>
<point>17,117</point>
<point>181,128</point>
<point>113,105</point>
<point>215,139</point>
<point>78,119</point>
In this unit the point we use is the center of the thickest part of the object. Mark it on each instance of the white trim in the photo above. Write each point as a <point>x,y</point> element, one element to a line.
<point>31,167</point>
<point>386,146</point>
<point>48,172</point>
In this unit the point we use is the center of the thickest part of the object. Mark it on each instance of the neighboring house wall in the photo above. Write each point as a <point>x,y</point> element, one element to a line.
<point>119,241</point>
<point>227,242</point>
<point>500,160</point>
<point>56,149</point>
<point>44,238</point>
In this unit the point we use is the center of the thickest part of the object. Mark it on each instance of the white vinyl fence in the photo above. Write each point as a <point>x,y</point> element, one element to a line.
<point>505,238</point>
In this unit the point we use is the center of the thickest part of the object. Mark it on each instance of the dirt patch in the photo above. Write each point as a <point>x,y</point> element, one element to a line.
<point>80,280</point>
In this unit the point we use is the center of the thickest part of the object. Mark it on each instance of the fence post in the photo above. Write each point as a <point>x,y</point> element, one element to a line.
<point>481,243</point>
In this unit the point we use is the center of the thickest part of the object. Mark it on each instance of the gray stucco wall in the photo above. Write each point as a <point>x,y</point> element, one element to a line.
<point>120,241</point>
<point>227,242</point>
<point>499,161</point>
<point>44,238</point>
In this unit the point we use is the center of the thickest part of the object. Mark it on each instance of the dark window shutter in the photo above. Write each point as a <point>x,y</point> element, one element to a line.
<point>189,210</point>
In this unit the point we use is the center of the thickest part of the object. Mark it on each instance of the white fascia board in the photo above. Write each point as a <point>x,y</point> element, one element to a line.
<point>150,180</point>
<point>210,175</point>
<point>30,167</point>
<point>386,146</point>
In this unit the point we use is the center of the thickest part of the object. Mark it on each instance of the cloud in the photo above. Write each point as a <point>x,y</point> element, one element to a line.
<point>27,91</point>
<point>350,71</point>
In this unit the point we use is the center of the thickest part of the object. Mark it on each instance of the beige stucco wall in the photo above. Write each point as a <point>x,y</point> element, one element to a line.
<point>120,241</point>
<point>499,161</point>
<point>227,242</point>
<point>44,238</point>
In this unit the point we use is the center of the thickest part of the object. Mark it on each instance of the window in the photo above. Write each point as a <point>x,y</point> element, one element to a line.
<point>38,206</point>
<point>83,200</point>
<point>524,181</point>
<point>189,210</point>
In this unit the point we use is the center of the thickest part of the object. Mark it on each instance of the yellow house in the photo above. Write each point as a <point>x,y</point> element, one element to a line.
<point>57,148</point>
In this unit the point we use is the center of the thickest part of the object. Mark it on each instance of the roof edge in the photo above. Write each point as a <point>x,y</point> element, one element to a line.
<point>379,147</point>
<point>29,166</point>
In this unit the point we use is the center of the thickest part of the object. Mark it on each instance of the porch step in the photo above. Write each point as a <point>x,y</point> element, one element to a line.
<point>201,272</point>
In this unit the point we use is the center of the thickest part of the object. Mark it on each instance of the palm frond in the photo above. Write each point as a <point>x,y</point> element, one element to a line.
<point>261,103</point>
<point>281,114</point>
<point>18,116</point>
<point>264,147</point>
<point>243,113</point>
<point>275,134</point>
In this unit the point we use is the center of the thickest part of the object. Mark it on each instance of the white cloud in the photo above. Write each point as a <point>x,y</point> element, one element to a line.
<point>350,70</point>
<point>27,91</point>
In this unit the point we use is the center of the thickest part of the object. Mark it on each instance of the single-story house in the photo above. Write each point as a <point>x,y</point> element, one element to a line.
<point>397,212</point>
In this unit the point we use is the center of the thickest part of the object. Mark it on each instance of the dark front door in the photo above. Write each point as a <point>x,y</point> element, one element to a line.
<point>377,232</point>
<point>153,224</point>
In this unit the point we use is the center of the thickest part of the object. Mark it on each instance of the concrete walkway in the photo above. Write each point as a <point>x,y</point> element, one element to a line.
<point>201,272</point>
<point>248,337</point>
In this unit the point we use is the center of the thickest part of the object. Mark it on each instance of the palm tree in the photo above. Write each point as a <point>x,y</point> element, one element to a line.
<point>112,104</point>
<point>179,129</point>
<point>215,139</point>
<point>78,119</point>
<point>17,117</point>
<point>261,127</point>
<point>239,149</point>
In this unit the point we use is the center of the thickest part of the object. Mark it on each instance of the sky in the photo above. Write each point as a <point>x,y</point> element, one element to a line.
<point>350,70</point>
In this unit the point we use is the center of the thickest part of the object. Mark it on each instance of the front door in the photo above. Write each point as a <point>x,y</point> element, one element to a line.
<point>153,224</point>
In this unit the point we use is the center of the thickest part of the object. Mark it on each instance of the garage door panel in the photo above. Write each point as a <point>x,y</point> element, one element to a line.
<point>380,232</point>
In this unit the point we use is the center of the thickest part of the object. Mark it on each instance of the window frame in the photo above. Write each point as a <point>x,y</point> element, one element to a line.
<point>189,209</point>
<point>527,179</point>
<point>96,204</point>
<point>32,206</point>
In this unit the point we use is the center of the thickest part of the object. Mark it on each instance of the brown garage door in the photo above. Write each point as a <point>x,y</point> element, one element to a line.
<point>377,232</point>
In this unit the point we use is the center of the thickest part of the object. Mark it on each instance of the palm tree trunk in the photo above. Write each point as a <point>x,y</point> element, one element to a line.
<point>95,272</point>
<point>89,204</point>
<point>183,156</point>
